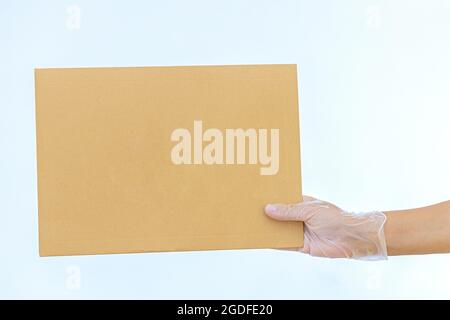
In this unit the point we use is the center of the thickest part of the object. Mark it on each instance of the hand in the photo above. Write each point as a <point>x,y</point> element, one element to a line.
<point>334,233</point>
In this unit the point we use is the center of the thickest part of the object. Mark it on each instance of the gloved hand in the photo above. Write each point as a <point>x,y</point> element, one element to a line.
<point>331,232</point>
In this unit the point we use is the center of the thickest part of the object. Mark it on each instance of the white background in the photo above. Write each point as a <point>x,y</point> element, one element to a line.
<point>374,81</point>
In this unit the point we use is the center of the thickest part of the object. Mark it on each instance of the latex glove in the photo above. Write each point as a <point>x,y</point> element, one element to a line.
<point>334,233</point>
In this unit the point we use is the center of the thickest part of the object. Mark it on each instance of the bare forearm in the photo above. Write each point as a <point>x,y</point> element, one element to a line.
<point>419,231</point>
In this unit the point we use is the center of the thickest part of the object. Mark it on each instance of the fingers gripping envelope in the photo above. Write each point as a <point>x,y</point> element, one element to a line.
<point>149,159</point>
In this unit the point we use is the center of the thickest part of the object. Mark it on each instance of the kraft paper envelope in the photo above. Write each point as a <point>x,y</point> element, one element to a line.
<point>118,174</point>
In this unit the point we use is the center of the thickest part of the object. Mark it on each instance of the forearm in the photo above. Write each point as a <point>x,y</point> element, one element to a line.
<point>418,231</point>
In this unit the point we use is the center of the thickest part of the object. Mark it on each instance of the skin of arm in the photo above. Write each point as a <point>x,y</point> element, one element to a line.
<point>418,231</point>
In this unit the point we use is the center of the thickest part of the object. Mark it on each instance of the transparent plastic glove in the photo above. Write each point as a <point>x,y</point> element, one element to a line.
<point>331,232</point>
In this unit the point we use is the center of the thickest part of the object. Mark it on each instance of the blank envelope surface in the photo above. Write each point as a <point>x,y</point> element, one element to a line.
<point>108,181</point>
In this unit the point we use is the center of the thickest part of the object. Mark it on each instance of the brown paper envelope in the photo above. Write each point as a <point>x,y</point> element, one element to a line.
<point>107,181</point>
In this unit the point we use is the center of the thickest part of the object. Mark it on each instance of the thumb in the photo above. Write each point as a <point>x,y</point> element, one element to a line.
<point>289,212</point>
